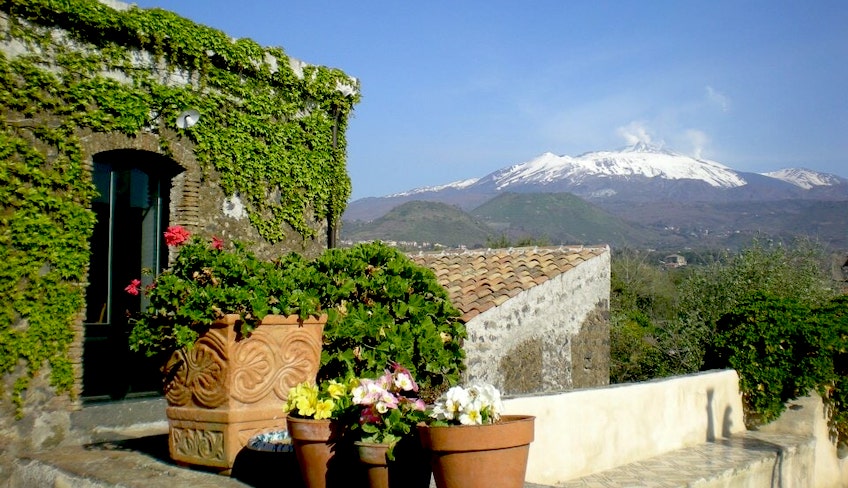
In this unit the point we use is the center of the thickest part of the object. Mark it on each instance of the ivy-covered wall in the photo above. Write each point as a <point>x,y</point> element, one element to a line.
<point>78,77</point>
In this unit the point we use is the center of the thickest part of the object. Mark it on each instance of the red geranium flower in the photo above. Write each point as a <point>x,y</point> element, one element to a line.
<point>132,288</point>
<point>176,235</point>
<point>217,243</point>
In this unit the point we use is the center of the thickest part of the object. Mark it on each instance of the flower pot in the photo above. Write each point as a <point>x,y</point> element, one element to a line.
<point>373,457</point>
<point>409,469</point>
<point>322,456</point>
<point>227,388</point>
<point>480,456</point>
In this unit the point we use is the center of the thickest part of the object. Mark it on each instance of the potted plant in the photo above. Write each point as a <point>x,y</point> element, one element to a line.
<point>472,445</point>
<point>318,419</point>
<point>238,333</point>
<point>389,446</point>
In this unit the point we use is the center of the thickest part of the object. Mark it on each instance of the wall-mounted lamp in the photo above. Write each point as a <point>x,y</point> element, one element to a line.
<point>187,118</point>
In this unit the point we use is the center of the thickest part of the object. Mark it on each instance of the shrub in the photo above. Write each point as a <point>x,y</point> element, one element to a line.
<point>648,337</point>
<point>384,308</point>
<point>782,349</point>
<point>792,271</point>
<point>635,353</point>
<point>833,317</point>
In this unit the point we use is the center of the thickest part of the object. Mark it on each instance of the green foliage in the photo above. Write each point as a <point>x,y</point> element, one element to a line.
<point>648,339</point>
<point>384,308</point>
<point>792,271</point>
<point>204,283</point>
<point>674,312</point>
<point>558,217</point>
<point>782,349</point>
<point>502,242</point>
<point>833,318</point>
<point>769,312</point>
<point>635,352</point>
<point>271,135</point>
<point>422,222</point>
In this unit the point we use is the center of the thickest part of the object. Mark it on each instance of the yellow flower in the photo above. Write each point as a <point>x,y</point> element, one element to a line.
<point>302,398</point>
<point>306,406</point>
<point>336,390</point>
<point>324,409</point>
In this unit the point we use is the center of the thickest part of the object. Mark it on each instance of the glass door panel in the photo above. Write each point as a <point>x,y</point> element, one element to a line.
<point>127,244</point>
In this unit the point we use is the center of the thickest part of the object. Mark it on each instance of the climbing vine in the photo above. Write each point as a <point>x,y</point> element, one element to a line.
<point>271,131</point>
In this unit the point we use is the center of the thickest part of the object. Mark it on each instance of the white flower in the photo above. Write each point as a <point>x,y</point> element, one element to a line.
<point>440,413</point>
<point>471,416</point>
<point>478,404</point>
<point>404,382</point>
<point>359,394</point>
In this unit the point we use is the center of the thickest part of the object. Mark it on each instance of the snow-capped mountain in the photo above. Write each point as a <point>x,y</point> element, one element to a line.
<point>805,178</point>
<point>640,160</point>
<point>640,173</point>
<point>456,185</point>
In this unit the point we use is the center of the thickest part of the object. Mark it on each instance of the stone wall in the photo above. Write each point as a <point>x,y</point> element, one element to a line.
<point>196,202</point>
<point>551,337</point>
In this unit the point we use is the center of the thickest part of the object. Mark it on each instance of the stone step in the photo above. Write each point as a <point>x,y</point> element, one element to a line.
<point>750,460</point>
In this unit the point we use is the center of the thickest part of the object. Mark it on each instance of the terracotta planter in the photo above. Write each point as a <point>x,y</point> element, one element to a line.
<point>480,456</point>
<point>409,469</point>
<point>227,388</point>
<point>322,456</point>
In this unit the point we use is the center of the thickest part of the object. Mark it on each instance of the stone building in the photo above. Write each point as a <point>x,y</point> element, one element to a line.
<point>118,122</point>
<point>537,318</point>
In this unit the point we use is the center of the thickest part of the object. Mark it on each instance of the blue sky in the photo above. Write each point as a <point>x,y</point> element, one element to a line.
<point>456,90</point>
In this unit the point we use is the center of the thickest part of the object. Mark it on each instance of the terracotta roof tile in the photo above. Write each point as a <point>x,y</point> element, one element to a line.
<point>482,279</point>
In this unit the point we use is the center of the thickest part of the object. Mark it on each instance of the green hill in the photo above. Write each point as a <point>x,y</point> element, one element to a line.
<point>419,221</point>
<point>560,218</point>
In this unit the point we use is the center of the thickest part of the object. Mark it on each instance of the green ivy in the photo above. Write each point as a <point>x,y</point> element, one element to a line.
<point>271,136</point>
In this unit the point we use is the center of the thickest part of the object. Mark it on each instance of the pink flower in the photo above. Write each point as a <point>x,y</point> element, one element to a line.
<point>132,288</point>
<point>217,243</point>
<point>176,235</point>
<point>369,416</point>
<point>403,378</point>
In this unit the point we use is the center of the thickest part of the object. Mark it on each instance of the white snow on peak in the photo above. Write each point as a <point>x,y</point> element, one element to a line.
<point>638,160</point>
<point>803,177</point>
<point>456,185</point>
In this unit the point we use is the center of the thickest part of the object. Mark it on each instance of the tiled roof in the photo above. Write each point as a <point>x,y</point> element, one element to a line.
<point>482,279</point>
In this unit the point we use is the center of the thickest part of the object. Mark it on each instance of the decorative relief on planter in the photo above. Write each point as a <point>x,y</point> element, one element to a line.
<point>203,444</point>
<point>270,363</point>
<point>232,386</point>
<point>199,374</point>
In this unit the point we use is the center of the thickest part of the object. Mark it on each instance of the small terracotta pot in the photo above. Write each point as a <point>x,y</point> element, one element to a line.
<point>409,469</point>
<point>373,456</point>
<point>315,445</point>
<point>480,456</point>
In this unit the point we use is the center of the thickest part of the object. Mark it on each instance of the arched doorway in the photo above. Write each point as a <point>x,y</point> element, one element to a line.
<point>132,211</point>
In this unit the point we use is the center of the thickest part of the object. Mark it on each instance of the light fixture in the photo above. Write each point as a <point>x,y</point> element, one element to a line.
<point>187,118</point>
